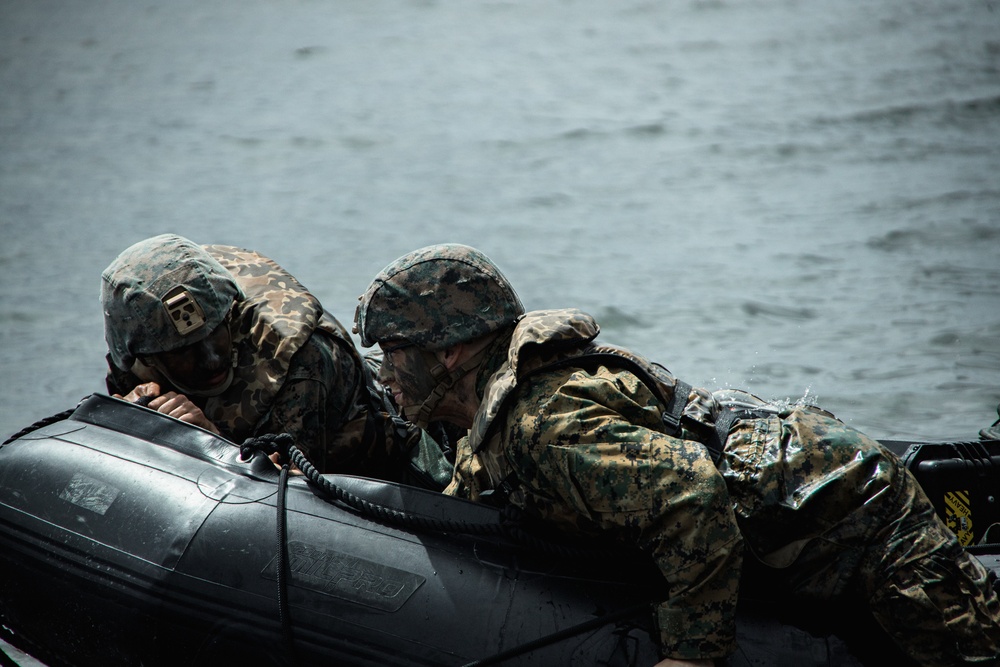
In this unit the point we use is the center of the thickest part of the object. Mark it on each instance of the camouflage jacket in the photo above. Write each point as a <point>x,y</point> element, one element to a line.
<point>829,510</point>
<point>298,372</point>
<point>591,452</point>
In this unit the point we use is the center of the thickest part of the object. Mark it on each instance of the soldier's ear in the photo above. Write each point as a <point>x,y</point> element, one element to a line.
<point>453,356</point>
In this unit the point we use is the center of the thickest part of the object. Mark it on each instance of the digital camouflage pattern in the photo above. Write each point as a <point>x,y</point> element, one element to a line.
<point>596,462</point>
<point>136,322</point>
<point>435,297</point>
<point>297,372</point>
<point>830,509</point>
<point>572,331</point>
<point>270,324</point>
<point>838,513</point>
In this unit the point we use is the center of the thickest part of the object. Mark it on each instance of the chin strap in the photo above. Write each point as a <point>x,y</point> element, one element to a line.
<point>445,381</point>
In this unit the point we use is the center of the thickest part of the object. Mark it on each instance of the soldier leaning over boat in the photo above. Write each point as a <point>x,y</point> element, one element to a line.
<point>226,339</point>
<point>601,442</point>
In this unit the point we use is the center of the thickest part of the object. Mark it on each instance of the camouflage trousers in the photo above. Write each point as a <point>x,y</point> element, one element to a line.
<point>836,513</point>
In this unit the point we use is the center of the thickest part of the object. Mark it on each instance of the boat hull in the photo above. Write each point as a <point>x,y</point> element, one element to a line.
<point>130,538</point>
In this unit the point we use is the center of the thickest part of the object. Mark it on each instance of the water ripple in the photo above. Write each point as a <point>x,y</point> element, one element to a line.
<point>756,308</point>
<point>962,280</point>
<point>946,112</point>
<point>969,234</point>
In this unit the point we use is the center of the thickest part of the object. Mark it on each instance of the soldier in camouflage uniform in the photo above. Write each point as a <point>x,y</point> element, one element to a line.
<point>602,442</point>
<point>226,339</point>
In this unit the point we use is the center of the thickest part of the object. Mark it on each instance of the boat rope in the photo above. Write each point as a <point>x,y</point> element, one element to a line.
<point>383,512</point>
<point>39,424</point>
<point>281,564</point>
<point>511,523</point>
<point>58,417</point>
<point>271,443</point>
<point>268,444</point>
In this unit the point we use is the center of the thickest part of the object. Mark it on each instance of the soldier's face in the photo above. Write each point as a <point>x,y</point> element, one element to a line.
<point>201,366</point>
<point>406,373</point>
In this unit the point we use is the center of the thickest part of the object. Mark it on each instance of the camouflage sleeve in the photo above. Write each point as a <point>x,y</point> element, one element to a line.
<point>590,457</point>
<point>320,405</point>
<point>463,473</point>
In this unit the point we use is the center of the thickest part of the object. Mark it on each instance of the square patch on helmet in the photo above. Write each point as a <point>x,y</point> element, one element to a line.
<point>184,311</point>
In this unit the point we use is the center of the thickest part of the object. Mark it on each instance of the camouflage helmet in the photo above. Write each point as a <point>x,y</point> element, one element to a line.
<point>162,294</point>
<point>436,297</point>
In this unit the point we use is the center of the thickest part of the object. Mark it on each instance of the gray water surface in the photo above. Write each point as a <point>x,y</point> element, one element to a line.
<point>797,198</point>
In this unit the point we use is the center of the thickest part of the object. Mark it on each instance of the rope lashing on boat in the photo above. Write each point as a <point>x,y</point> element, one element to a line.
<point>281,564</point>
<point>58,417</point>
<point>268,444</point>
<point>41,423</point>
<point>380,512</point>
<point>510,525</point>
<point>278,443</point>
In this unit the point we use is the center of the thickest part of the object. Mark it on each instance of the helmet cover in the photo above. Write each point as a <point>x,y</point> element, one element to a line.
<point>162,294</point>
<point>436,297</point>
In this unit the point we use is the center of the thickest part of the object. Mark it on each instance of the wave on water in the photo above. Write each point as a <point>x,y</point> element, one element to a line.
<point>640,130</point>
<point>960,280</point>
<point>758,309</point>
<point>950,198</point>
<point>946,112</point>
<point>935,236</point>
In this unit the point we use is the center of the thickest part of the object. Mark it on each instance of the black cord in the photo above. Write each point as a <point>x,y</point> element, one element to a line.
<point>278,443</point>
<point>281,564</point>
<point>510,525</point>
<point>382,512</point>
<point>39,424</point>
<point>268,443</point>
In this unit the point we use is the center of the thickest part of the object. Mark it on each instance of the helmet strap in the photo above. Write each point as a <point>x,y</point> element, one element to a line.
<point>445,381</point>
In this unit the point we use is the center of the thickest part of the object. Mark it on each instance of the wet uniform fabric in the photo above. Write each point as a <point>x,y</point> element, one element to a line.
<point>819,502</point>
<point>298,372</point>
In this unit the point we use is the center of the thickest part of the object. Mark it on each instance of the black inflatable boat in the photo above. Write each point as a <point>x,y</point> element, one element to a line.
<point>130,538</point>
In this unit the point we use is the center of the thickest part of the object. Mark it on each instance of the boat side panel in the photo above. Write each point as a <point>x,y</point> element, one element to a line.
<point>362,593</point>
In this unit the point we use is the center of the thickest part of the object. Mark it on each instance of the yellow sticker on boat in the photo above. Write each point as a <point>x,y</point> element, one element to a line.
<point>958,515</point>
